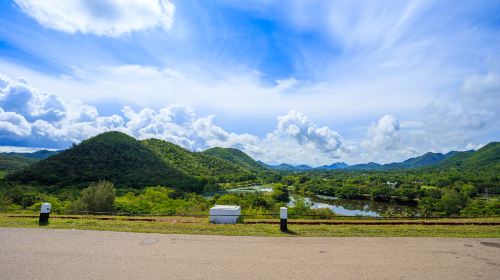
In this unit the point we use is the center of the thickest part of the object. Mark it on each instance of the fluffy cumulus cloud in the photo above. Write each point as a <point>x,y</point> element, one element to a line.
<point>26,113</point>
<point>299,127</point>
<point>101,17</point>
<point>12,123</point>
<point>34,118</point>
<point>384,135</point>
<point>386,141</point>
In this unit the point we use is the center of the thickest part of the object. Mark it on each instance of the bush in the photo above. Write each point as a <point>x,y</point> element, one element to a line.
<point>351,192</point>
<point>451,203</point>
<point>302,210</point>
<point>280,193</point>
<point>5,201</point>
<point>477,208</point>
<point>98,197</point>
<point>54,201</point>
<point>158,200</point>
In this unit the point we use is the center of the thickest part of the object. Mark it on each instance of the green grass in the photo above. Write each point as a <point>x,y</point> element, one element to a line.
<point>181,225</point>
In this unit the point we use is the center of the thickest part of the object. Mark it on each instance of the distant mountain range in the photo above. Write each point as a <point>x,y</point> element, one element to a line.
<point>41,154</point>
<point>13,161</point>
<point>486,156</point>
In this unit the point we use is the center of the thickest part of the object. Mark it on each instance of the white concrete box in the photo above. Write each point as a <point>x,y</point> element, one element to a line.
<point>225,214</point>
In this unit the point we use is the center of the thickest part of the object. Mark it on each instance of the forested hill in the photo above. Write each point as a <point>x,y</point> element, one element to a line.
<point>198,164</point>
<point>237,157</point>
<point>487,156</point>
<point>127,162</point>
<point>41,154</point>
<point>112,156</point>
<point>15,161</point>
<point>12,162</point>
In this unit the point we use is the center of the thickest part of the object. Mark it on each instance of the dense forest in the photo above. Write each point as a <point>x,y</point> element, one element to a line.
<point>115,172</point>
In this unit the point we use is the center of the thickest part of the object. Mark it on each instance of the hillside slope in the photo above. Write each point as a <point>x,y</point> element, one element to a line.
<point>237,157</point>
<point>112,156</point>
<point>427,159</point>
<point>197,164</point>
<point>11,163</point>
<point>487,156</point>
<point>42,154</point>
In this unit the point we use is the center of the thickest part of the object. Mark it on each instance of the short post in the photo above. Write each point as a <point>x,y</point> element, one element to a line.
<point>284,219</point>
<point>44,214</point>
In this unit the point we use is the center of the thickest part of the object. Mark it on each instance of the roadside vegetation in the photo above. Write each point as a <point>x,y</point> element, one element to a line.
<point>103,197</point>
<point>190,225</point>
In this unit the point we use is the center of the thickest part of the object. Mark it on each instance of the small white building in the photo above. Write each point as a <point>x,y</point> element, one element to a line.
<point>225,214</point>
<point>392,185</point>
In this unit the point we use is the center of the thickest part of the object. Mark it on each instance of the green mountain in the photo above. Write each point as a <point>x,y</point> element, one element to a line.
<point>112,156</point>
<point>42,154</point>
<point>237,157</point>
<point>13,162</point>
<point>333,166</point>
<point>427,159</point>
<point>198,164</point>
<point>289,167</point>
<point>366,166</point>
<point>487,156</point>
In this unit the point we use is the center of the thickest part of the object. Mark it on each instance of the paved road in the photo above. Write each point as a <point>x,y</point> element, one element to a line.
<point>76,254</point>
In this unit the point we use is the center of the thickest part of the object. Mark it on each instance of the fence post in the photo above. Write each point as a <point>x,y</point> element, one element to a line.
<point>284,219</point>
<point>44,214</point>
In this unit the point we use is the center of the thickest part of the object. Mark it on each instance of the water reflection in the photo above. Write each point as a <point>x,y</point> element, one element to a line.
<point>258,188</point>
<point>349,207</point>
<point>343,207</point>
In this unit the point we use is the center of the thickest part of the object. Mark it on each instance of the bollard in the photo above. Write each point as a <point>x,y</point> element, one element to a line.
<point>284,219</point>
<point>44,214</point>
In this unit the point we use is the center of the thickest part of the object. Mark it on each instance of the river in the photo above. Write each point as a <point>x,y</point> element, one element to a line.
<point>339,206</point>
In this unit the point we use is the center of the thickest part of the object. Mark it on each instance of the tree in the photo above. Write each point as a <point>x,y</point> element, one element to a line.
<point>382,193</point>
<point>452,202</point>
<point>99,197</point>
<point>428,205</point>
<point>29,199</point>
<point>280,193</point>
<point>468,190</point>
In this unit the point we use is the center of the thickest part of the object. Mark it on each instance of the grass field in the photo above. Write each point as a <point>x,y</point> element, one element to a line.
<point>190,225</point>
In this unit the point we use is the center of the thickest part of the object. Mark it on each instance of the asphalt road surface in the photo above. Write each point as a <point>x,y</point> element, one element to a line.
<point>76,254</point>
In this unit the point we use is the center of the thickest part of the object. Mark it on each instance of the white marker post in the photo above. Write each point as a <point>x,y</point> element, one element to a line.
<point>284,219</point>
<point>44,214</point>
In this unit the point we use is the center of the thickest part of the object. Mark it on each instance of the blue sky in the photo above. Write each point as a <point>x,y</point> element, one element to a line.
<point>293,81</point>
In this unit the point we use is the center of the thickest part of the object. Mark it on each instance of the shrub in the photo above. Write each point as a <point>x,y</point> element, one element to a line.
<point>98,197</point>
<point>476,208</point>
<point>451,203</point>
<point>280,193</point>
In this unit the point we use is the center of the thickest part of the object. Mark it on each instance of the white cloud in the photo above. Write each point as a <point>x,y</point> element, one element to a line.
<point>12,123</point>
<point>387,142</point>
<point>17,96</point>
<point>101,17</point>
<point>30,114</point>
<point>384,135</point>
<point>298,126</point>
<point>14,149</point>
<point>296,139</point>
